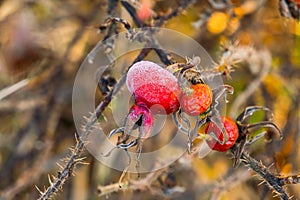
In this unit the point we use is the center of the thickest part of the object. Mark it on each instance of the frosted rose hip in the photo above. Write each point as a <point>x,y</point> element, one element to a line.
<point>153,85</point>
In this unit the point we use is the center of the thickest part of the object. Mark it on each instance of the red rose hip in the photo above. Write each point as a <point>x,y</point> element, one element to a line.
<point>156,87</point>
<point>198,101</point>
<point>231,130</point>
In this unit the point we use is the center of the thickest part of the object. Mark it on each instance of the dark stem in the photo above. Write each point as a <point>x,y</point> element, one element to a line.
<point>160,20</point>
<point>273,182</point>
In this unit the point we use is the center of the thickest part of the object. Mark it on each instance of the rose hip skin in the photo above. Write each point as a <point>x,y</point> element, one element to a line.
<point>154,86</point>
<point>297,2</point>
<point>231,130</point>
<point>140,113</point>
<point>198,101</point>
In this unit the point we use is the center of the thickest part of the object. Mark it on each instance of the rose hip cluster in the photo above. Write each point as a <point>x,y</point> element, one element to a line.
<point>159,91</point>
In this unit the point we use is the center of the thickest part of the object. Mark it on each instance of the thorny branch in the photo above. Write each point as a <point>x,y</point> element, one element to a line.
<point>272,181</point>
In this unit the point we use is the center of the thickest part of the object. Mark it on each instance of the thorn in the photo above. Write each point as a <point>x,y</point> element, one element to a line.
<point>271,165</point>
<point>71,149</point>
<point>79,159</point>
<point>76,137</point>
<point>261,183</point>
<point>38,189</point>
<point>49,179</point>
<point>83,163</point>
<point>95,126</point>
<point>86,118</point>
<point>59,165</point>
<point>276,195</point>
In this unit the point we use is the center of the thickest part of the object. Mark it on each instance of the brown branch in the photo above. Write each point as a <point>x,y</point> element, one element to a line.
<point>228,182</point>
<point>160,20</point>
<point>143,184</point>
<point>274,182</point>
<point>164,56</point>
<point>22,105</point>
<point>132,12</point>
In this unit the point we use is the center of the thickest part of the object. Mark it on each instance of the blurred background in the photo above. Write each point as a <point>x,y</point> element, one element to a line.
<point>43,43</point>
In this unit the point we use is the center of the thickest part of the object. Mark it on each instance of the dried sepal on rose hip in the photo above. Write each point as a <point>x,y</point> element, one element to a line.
<point>232,132</point>
<point>196,101</point>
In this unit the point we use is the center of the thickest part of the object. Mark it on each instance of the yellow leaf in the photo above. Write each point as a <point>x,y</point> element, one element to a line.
<point>217,22</point>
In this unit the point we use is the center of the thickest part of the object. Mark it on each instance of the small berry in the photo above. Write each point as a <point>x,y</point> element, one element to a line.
<point>154,86</point>
<point>198,101</point>
<point>140,115</point>
<point>232,132</point>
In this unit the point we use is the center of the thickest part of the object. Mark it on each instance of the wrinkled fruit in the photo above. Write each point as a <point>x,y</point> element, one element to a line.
<point>154,86</point>
<point>141,116</point>
<point>198,101</point>
<point>232,132</point>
